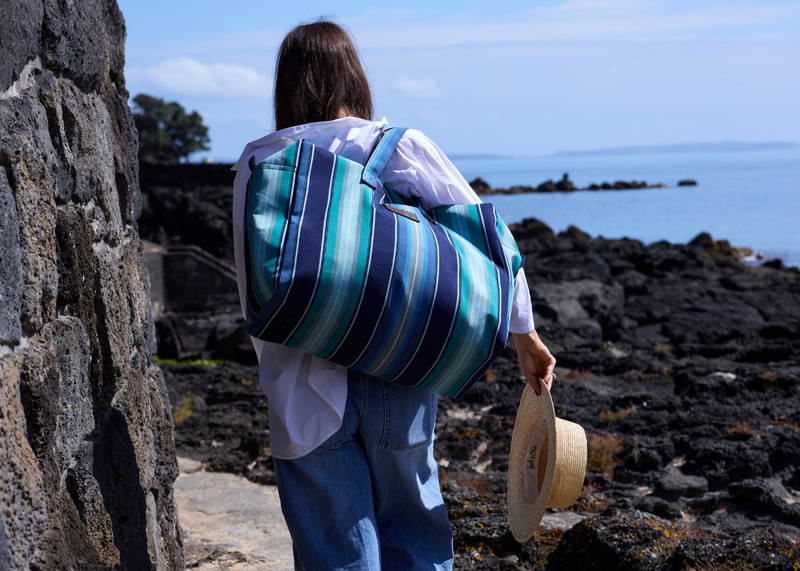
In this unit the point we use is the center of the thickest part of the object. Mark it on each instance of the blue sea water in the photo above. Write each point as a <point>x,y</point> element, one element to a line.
<point>751,198</point>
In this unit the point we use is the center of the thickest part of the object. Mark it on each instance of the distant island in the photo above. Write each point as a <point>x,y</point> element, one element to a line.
<point>477,156</point>
<point>683,148</point>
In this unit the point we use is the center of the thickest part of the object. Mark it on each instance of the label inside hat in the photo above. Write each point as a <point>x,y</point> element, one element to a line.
<point>535,461</point>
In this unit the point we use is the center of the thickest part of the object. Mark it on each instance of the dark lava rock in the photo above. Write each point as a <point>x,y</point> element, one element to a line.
<point>723,461</point>
<point>714,551</point>
<point>626,539</point>
<point>565,185</point>
<point>546,186</point>
<point>658,506</point>
<point>221,417</point>
<point>619,185</point>
<point>682,366</point>
<point>767,496</point>
<point>674,482</point>
<point>721,249</point>
<point>619,538</point>
<point>480,186</point>
<point>574,233</point>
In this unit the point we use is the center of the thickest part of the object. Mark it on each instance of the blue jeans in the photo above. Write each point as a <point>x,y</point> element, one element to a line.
<point>368,498</point>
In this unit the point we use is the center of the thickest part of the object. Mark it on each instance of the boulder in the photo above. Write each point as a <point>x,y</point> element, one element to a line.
<point>574,233</point>
<point>565,185</point>
<point>676,483</point>
<point>720,248</point>
<point>585,305</point>
<point>480,186</point>
<point>547,186</point>
<point>619,538</point>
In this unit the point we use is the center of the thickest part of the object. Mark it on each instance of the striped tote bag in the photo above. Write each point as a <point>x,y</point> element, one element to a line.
<point>341,267</point>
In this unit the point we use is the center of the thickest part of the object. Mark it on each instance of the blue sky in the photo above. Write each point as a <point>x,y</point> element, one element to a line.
<point>517,78</point>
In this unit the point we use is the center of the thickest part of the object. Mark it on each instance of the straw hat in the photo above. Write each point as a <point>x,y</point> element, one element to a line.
<point>538,478</point>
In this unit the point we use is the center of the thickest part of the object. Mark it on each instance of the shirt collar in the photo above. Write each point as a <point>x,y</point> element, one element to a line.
<point>297,132</point>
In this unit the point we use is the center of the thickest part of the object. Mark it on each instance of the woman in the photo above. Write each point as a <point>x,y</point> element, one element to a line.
<point>354,455</point>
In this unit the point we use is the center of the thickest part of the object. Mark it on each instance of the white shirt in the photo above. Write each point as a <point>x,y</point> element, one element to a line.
<point>307,395</point>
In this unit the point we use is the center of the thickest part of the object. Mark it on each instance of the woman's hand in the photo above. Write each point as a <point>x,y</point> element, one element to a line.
<point>535,359</point>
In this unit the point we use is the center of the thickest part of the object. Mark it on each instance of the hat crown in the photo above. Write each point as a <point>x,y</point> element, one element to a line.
<point>542,444</point>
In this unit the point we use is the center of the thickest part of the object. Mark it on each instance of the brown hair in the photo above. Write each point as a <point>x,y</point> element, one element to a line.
<point>319,74</point>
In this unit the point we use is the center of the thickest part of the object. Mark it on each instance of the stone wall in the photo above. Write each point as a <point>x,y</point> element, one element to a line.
<point>86,444</point>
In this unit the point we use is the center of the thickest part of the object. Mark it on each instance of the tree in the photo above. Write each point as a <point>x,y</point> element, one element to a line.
<point>167,133</point>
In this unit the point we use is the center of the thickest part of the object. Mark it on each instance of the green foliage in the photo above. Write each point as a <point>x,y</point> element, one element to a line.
<point>167,133</point>
<point>184,410</point>
<point>204,362</point>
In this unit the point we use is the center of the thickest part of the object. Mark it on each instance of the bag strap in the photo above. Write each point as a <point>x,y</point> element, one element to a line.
<point>383,149</point>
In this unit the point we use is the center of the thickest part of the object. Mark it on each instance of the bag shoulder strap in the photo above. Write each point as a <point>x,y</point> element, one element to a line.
<point>381,151</point>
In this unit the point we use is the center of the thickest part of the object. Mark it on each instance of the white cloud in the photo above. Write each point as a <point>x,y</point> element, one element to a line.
<point>582,20</point>
<point>188,76</point>
<point>568,21</point>
<point>420,88</point>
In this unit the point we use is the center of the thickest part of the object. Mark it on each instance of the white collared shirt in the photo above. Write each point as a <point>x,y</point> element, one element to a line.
<point>307,395</point>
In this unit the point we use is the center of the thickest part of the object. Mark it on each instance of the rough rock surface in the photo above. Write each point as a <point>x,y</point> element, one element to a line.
<point>683,366</point>
<point>85,422</point>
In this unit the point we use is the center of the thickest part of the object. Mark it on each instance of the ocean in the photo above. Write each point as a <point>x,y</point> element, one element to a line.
<point>750,198</point>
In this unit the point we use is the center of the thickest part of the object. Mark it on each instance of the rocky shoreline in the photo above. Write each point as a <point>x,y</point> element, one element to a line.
<point>481,187</point>
<point>682,364</point>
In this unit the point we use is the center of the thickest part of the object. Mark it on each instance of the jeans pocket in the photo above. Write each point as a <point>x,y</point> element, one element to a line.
<point>410,416</point>
<point>335,441</point>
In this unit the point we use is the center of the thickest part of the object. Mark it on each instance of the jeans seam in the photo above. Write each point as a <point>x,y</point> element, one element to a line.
<point>400,448</point>
<point>385,435</point>
<point>362,412</point>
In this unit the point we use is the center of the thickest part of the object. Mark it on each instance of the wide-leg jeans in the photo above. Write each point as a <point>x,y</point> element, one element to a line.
<point>368,498</point>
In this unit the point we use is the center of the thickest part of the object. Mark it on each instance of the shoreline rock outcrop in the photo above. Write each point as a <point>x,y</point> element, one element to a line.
<point>481,187</point>
<point>86,431</point>
<point>680,361</point>
<point>682,365</point>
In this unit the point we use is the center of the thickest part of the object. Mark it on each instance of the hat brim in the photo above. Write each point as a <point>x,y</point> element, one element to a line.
<point>524,517</point>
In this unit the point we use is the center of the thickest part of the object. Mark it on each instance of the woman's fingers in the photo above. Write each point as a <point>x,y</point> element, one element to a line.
<point>534,383</point>
<point>535,360</point>
<point>549,377</point>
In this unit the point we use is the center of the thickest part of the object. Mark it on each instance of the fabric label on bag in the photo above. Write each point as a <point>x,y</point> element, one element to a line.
<point>401,212</point>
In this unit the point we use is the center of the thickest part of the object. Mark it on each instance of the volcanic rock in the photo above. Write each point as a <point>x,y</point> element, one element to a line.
<point>565,185</point>
<point>686,386</point>
<point>85,424</point>
<point>480,186</point>
<point>675,482</point>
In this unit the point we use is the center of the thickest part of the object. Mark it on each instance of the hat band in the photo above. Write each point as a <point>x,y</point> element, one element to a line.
<point>532,473</point>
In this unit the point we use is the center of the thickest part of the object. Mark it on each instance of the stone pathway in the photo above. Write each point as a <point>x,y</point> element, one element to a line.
<point>230,523</point>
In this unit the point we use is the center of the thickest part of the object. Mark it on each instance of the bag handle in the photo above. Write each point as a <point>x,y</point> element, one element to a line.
<point>381,151</point>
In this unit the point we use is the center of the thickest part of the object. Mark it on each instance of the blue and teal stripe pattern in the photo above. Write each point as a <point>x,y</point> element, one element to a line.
<point>341,267</point>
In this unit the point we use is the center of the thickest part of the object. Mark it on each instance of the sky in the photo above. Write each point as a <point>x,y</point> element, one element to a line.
<point>510,78</point>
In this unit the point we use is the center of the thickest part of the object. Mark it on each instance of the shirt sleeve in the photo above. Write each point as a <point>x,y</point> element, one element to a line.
<point>521,310</point>
<point>418,168</point>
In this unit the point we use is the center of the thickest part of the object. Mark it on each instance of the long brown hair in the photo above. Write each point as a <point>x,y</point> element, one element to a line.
<point>318,75</point>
